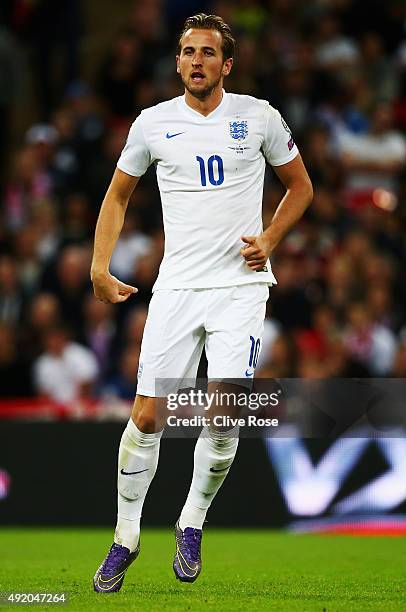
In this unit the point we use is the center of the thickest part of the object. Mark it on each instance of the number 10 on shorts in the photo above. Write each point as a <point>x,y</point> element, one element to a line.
<point>254,351</point>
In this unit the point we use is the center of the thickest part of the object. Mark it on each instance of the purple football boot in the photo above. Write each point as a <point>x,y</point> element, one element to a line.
<point>187,563</point>
<point>110,575</point>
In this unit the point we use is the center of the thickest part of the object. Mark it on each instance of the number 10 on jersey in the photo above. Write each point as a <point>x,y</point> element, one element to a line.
<point>214,166</point>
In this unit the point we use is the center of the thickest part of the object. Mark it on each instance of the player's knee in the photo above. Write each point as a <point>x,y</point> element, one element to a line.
<point>145,422</point>
<point>144,414</point>
<point>149,414</point>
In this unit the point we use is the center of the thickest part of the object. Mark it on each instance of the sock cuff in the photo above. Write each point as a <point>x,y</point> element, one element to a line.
<point>221,438</point>
<point>141,438</point>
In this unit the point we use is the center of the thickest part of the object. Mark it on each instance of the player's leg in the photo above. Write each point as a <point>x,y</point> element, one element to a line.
<point>137,463</point>
<point>170,347</point>
<point>234,326</point>
<point>168,352</point>
<point>214,453</point>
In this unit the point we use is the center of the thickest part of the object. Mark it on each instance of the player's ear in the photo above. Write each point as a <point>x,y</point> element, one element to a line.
<point>227,66</point>
<point>177,64</point>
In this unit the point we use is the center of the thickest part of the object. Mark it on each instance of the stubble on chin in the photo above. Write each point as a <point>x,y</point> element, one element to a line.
<point>201,94</point>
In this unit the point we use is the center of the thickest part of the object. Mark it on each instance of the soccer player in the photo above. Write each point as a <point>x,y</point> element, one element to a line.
<point>209,148</point>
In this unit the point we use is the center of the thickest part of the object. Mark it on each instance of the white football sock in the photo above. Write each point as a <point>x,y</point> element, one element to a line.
<point>214,454</point>
<point>137,462</point>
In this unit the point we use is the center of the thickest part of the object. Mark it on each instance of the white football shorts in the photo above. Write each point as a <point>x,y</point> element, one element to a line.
<point>227,321</point>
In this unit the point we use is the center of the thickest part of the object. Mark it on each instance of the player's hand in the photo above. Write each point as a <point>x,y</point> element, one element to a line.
<point>256,251</point>
<point>108,289</point>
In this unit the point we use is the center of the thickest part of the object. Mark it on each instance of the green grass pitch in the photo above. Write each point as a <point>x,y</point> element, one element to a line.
<point>242,570</point>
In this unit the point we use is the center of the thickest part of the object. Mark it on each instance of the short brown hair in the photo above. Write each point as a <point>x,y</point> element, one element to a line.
<point>201,21</point>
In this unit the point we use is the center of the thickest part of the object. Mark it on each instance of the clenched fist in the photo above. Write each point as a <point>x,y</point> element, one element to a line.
<point>256,251</point>
<point>107,288</point>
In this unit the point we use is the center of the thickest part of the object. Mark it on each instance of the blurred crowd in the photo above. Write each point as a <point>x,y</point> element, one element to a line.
<point>336,69</point>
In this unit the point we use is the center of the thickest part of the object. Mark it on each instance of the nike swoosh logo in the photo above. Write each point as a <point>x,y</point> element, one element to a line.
<point>131,473</point>
<point>168,135</point>
<point>249,373</point>
<point>193,569</point>
<point>221,470</point>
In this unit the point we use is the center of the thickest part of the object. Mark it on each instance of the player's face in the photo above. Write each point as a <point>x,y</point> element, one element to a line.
<point>200,63</point>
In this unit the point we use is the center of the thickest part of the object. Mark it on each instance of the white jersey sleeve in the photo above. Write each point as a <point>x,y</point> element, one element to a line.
<point>135,158</point>
<point>278,147</point>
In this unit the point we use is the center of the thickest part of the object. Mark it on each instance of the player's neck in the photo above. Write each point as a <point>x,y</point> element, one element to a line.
<point>206,106</point>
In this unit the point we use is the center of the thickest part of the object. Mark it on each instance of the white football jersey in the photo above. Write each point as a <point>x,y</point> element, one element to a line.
<point>210,173</point>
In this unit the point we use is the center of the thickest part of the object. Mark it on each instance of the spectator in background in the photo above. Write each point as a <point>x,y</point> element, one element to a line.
<point>340,362</point>
<point>43,139</point>
<point>57,151</point>
<point>282,360</point>
<point>120,73</point>
<point>290,304</point>
<point>45,221</point>
<point>28,184</point>
<point>148,266</point>
<point>373,160</point>
<point>381,307</point>
<point>296,99</point>
<point>130,328</point>
<point>323,169</point>
<point>373,345</point>
<point>319,338</point>
<point>99,330</point>
<point>134,325</point>
<point>379,71</point>
<point>66,162</point>
<point>76,217</point>
<point>29,265</point>
<point>123,384</point>
<point>357,247</point>
<point>99,168</point>
<point>12,296</point>
<point>246,79</point>
<point>328,215</point>
<point>65,371</point>
<point>334,50</point>
<point>81,101</point>
<point>43,314</point>
<point>69,282</point>
<point>340,284</point>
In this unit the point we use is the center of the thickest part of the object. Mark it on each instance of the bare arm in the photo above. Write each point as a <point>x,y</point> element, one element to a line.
<point>299,194</point>
<point>109,224</point>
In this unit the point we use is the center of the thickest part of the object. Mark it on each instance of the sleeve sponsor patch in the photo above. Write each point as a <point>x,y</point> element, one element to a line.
<point>285,125</point>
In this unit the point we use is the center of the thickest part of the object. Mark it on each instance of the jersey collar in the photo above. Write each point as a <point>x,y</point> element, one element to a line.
<point>219,110</point>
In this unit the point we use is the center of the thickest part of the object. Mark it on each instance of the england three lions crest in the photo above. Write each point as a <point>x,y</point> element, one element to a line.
<point>238,130</point>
